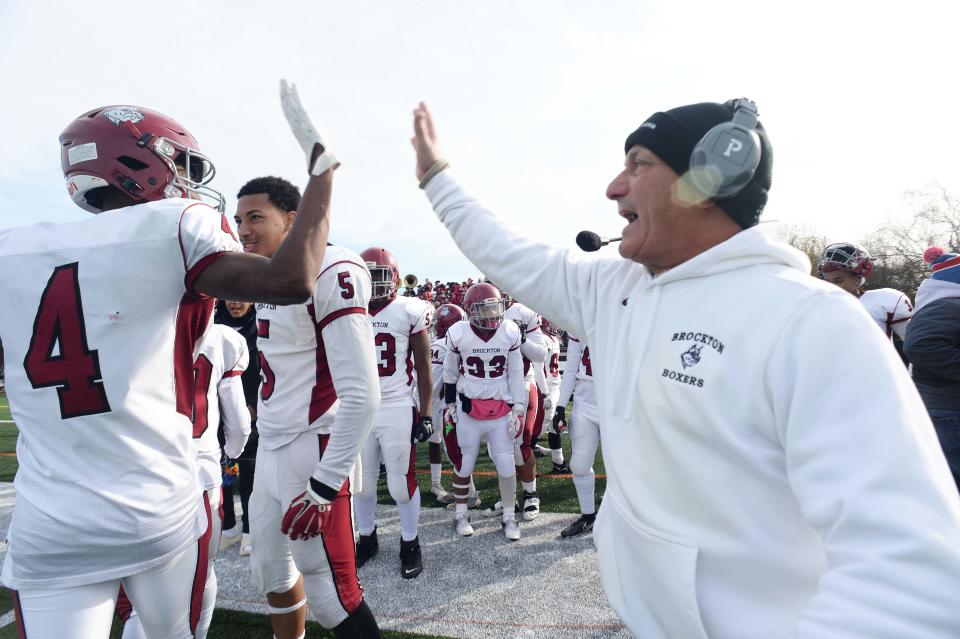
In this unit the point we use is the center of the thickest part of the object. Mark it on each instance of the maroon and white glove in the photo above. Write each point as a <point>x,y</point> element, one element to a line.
<point>307,516</point>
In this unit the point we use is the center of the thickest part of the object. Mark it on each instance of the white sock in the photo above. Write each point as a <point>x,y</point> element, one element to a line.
<point>409,517</point>
<point>435,473</point>
<point>508,495</point>
<point>530,486</point>
<point>557,454</point>
<point>461,509</point>
<point>584,485</point>
<point>364,507</point>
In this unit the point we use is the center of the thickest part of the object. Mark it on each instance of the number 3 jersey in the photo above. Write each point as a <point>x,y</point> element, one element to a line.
<point>99,328</point>
<point>491,366</point>
<point>393,325</point>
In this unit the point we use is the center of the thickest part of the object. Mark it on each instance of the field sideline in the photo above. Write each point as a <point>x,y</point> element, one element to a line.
<point>556,493</point>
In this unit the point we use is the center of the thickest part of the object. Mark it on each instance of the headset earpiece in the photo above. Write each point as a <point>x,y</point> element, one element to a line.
<point>726,157</point>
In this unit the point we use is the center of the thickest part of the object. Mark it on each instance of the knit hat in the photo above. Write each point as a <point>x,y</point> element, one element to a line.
<point>673,134</point>
<point>944,266</point>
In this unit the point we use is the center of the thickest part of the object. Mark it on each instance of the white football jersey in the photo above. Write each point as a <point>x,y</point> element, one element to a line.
<point>488,368</point>
<point>577,378</point>
<point>551,365</point>
<point>392,326</point>
<point>99,329</point>
<point>890,309</point>
<point>296,390</point>
<point>533,348</point>
<point>438,351</point>
<point>223,358</point>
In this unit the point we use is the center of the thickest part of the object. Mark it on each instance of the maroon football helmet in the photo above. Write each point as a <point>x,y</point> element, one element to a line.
<point>445,317</point>
<point>484,306</point>
<point>137,151</point>
<point>384,273</point>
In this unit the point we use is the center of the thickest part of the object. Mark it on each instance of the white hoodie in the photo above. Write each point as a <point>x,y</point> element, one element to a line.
<point>772,472</point>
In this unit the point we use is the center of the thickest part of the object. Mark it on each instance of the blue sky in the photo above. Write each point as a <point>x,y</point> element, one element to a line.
<point>533,100</point>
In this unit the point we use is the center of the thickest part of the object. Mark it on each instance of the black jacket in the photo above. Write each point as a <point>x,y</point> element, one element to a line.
<point>933,347</point>
<point>247,327</point>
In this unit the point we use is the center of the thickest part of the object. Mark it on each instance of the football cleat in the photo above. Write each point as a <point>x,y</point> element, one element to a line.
<point>442,495</point>
<point>462,524</point>
<point>494,511</point>
<point>411,562</point>
<point>540,451</point>
<point>473,501</point>
<point>511,530</point>
<point>582,525</point>
<point>531,506</point>
<point>561,469</point>
<point>246,547</point>
<point>367,548</point>
<point>230,537</point>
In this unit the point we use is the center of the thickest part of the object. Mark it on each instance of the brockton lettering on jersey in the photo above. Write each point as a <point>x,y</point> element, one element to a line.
<point>703,338</point>
<point>485,350</point>
<point>377,324</point>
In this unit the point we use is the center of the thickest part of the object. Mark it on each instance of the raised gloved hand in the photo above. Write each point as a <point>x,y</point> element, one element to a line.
<point>229,471</point>
<point>319,156</point>
<point>308,514</point>
<point>449,418</point>
<point>424,429</point>
<point>518,416</point>
<point>559,420</point>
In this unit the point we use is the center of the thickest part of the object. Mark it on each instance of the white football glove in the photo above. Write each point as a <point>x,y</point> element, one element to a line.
<point>303,129</point>
<point>518,415</point>
<point>449,418</point>
<point>547,404</point>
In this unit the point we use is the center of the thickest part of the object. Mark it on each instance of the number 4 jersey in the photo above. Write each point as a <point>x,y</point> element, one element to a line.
<point>99,326</point>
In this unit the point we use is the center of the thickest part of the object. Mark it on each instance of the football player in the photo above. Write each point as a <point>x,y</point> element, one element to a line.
<point>483,356</point>
<point>402,342</point>
<point>219,398</point>
<point>100,328</point>
<point>848,266</point>
<point>445,317</point>
<point>584,430</point>
<point>318,397</point>
<point>552,380</point>
<point>533,349</point>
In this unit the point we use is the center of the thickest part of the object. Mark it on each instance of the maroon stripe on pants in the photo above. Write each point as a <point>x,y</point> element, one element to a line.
<point>452,445</point>
<point>200,576</point>
<point>124,607</point>
<point>412,467</point>
<point>18,615</point>
<point>538,422</point>
<point>337,539</point>
<point>526,444</point>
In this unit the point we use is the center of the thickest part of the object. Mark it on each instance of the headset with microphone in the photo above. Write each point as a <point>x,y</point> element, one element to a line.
<point>722,163</point>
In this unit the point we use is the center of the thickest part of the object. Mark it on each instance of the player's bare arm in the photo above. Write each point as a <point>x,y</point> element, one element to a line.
<point>420,342</point>
<point>288,277</point>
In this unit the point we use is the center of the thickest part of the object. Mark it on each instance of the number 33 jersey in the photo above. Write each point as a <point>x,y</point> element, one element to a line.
<point>99,326</point>
<point>296,389</point>
<point>488,366</point>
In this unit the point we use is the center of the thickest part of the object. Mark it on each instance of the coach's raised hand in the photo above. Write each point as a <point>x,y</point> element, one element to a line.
<point>318,153</point>
<point>424,141</point>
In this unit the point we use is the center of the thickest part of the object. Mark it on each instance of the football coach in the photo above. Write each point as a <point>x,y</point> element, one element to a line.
<point>772,472</point>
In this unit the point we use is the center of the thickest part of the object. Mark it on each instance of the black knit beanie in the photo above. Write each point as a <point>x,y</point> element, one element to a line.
<point>671,135</point>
